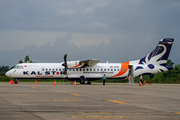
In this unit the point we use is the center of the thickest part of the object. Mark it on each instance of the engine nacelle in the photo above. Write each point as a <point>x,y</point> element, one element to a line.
<point>72,64</point>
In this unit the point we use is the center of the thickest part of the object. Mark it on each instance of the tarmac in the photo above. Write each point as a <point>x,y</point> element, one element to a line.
<point>64,101</point>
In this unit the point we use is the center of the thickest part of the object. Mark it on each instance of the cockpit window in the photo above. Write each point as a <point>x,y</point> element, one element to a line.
<point>18,67</point>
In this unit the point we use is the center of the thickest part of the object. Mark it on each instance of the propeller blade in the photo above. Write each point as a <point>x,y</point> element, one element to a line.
<point>65,56</point>
<point>65,64</point>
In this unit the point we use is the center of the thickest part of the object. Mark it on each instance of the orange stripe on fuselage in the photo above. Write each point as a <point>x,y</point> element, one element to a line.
<point>123,66</point>
<point>76,66</point>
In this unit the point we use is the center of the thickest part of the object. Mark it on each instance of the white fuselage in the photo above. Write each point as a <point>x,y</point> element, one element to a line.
<point>56,70</point>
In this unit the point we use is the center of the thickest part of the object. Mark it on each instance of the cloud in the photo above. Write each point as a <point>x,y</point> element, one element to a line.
<point>89,16</point>
<point>111,30</point>
<point>117,50</point>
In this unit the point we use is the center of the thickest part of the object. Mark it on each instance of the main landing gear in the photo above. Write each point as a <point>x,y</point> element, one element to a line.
<point>83,80</point>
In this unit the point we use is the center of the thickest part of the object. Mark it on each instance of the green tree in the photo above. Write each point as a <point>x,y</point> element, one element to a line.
<point>20,61</point>
<point>30,61</point>
<point>3,70</point>
<point>177,67</point>
<point>26,59</point>
<point>169,63</point>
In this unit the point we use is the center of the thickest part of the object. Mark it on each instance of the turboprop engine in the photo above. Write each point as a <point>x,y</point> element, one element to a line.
<point>72,64</point>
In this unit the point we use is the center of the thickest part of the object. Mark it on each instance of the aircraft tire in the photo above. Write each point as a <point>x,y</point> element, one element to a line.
<point>86,82</point>
<point>82,82</point>
<point>15,82</point>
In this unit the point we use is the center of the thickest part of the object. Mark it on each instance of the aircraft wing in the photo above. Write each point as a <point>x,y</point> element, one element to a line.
<point>86,63</point>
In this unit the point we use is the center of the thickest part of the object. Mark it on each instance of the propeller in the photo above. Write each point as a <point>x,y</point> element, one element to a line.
<point>65,64</point>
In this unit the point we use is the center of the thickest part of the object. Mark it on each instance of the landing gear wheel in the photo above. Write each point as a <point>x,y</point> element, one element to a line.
<point>86,82</point>
<point>15,82</point>
<point>81,82</point>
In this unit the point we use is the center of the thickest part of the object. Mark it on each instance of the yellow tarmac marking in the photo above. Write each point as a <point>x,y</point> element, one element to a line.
<point>67,100</point>
<point>33,87</point>
<point>98,117</point>
<point>74,117</point>
<point>87,116</point>
<point>117,102</point>
<point>177,112</point>
<point>76,94</point>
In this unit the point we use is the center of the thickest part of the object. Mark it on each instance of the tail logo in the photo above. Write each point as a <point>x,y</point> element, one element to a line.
<point>155,57</point>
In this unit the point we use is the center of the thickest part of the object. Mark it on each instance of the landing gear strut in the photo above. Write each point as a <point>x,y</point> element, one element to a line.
<point>16,81</point>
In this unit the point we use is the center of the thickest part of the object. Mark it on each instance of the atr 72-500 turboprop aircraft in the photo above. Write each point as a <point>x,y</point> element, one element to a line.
<point>89,70</point>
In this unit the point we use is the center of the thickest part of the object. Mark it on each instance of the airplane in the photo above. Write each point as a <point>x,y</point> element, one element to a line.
<point>90,70</point>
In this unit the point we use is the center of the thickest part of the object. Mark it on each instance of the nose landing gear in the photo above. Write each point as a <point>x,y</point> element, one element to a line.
<point>16,81</point>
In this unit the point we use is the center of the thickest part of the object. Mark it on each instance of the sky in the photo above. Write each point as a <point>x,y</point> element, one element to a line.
<point>108,30</point>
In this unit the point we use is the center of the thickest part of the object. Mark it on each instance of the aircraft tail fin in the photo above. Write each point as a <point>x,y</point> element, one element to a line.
<point>160,54</point>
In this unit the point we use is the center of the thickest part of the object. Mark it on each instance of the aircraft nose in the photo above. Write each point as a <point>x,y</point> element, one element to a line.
<point>8,74</point>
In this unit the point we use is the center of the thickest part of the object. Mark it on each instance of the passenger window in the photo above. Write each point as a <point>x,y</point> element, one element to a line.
<point>46,69</point>
<point>79,69</point>
<point>76,69</point>
<point>94,69</point>
<point>97,69</point>
<point>114,69</point>
<point>53,69</point>
<point>101,69</point>
<point>108,69</point>
<point>87,69</point>
<point>124,69</point>
<point>43,69</point>
<point>56,69</point>
<point>111,69</point>
<point>59,69</point>
<point>104,69</point>
<point>90,69</point>
<point>121,69</point>
<point>49,69</point>
<point>117,69</point>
